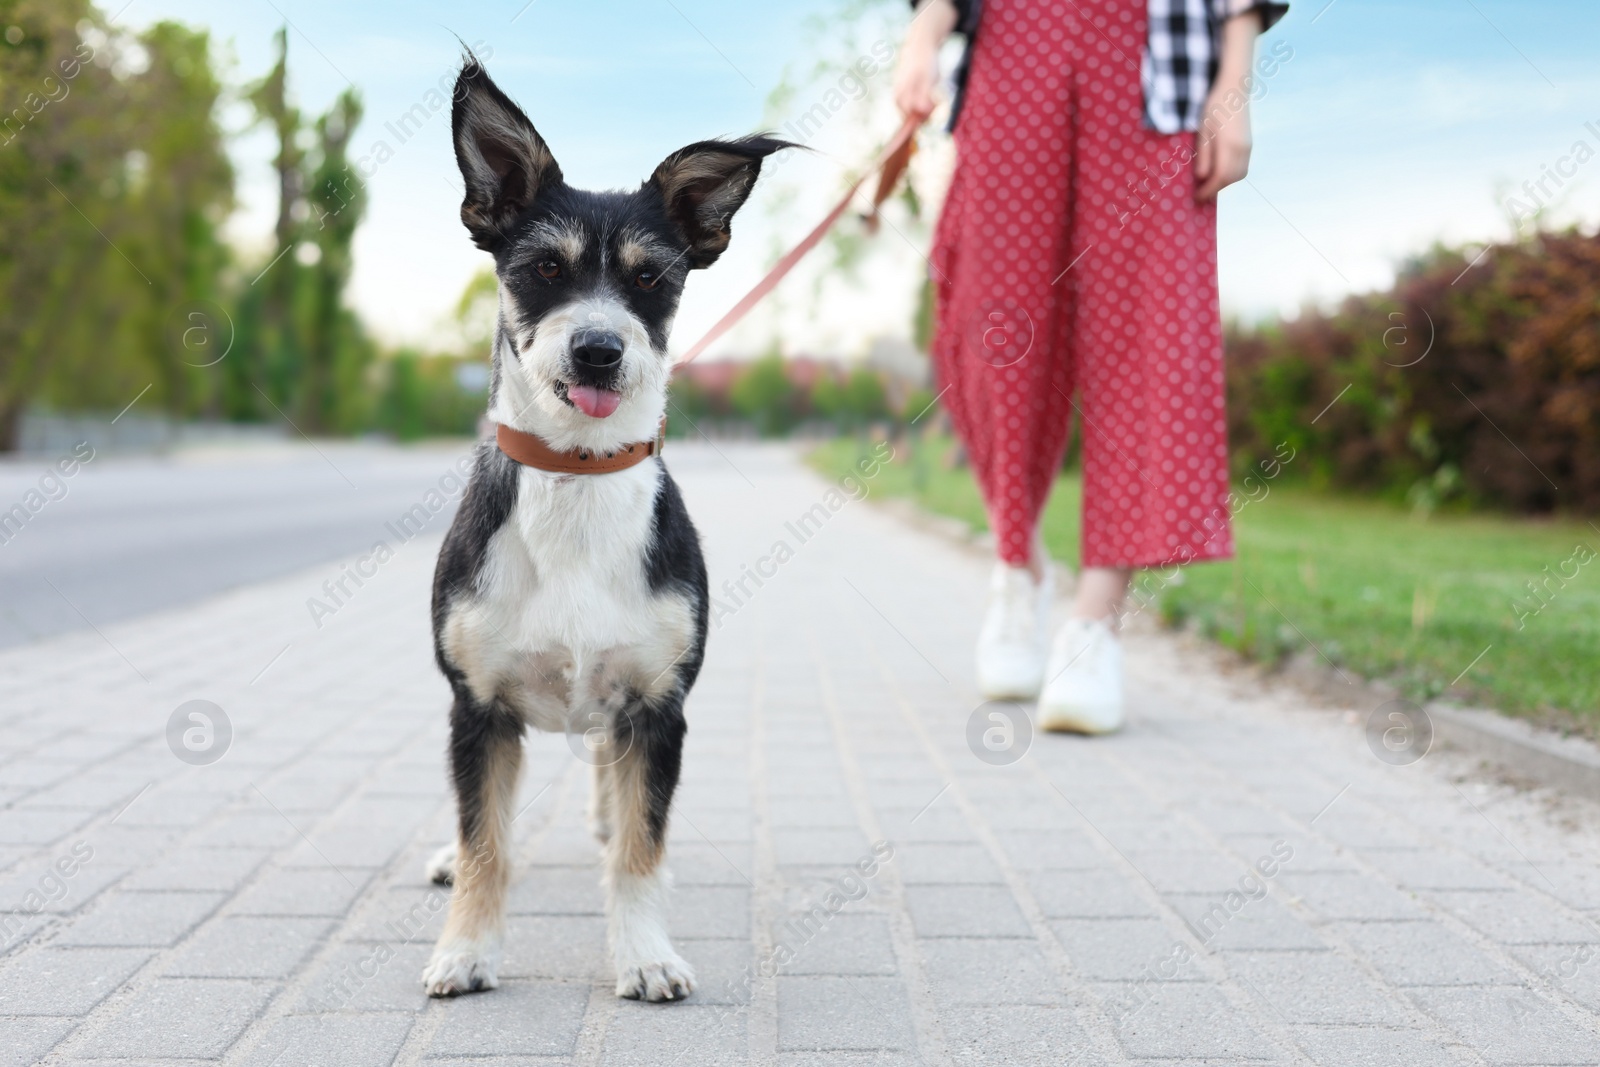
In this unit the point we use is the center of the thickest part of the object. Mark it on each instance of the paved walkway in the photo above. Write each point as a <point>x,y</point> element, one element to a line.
<point>1234,879</point>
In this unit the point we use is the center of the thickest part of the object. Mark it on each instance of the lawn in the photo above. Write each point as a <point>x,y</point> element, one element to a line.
<point>1441,606</point>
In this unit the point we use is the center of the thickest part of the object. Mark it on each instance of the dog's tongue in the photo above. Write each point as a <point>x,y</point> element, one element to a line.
<point>595,403</point>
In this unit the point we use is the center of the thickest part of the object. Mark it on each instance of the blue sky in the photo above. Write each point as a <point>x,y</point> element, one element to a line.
<point>1391,127</point>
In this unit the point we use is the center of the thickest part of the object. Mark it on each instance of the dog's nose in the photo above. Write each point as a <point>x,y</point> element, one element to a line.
<point>597,349</point>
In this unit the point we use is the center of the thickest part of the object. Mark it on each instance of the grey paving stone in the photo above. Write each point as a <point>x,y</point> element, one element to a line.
<point>221,869</point>
<point>845,943</point>
<point>1516,918</point>
<point>1226,818</point>
<point>701,863</point>
<point>317,785</point>
<point>845,1058</point>
<point>941,823</point>
<point>310,891</point>
<point>40,826</point>
<point>155,919</point>
<point>1115,949</point>
<point>1088,895</point>
<point>1017,1034</point>
<point>558,891</point>
<point>1313,987</point>
<point>1256,924</point>
<point>20,931</point>
<point>335,1040</point>
<point>818,848</point>
<point>1191,871</point>
<point>1350,895</point>
<point>644,1035</point>
<point>120,846</point>
<point>1433,869</point>
<point>247,947</point>
<point>925,863</point>
<point>820,1013</point>
<point>401,913</point>
<point>1350,826</point>
<point>1367,1046</point>
<point>363,977</point>
<point>252,828</point>
<point>65,981</point>
<point>571,948</point>
<point>27,1040</point>
<point>174,1018</point>
<point>965,911</point>
<point>808,812</point>
<point>986,972</point>
<point>724,970</point>
<point>103,790</point>
<point>709,911</point>
<point>1424,953</point>
<point>1512,1025</point>
<point>521,1018</point>
<point>173,808</point>
<point>1574,969</point>
<point>36,885</point>
<point>1052,850</point>
<point>1573,881</point>
<point>1189,1020</point>
<point>1308,855</point>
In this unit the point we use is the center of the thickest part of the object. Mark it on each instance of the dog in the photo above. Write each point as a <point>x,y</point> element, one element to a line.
<point>570,592</point>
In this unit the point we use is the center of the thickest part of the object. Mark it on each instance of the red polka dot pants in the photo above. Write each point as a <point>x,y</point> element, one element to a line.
<point>1075,274</point>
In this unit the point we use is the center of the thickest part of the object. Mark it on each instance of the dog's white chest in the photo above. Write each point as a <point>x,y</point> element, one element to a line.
<point>564,619</point>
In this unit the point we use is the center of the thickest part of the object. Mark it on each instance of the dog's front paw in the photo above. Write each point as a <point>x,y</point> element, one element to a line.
<point>441,868</point>
<point>460,968</point>
<point>669,979</point>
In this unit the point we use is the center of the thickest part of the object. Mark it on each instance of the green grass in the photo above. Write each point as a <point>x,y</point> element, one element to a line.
<point>1376,590</point>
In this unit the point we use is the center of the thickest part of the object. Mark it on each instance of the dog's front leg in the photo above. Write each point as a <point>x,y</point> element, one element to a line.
<point>485,758</point>
<point>600,803</point>
<point>641,782</point>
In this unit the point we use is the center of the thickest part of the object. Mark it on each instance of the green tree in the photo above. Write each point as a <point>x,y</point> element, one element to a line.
<point>863,397</point>
<point>113,181</point>
<point>303,351</point>
<point>764,394</point>
<point>337,351</point>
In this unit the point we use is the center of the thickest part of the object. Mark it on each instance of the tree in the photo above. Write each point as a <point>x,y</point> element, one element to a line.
<point>765,395</point>
<point>303,351</point>
<point>863,397</point>
<point>113,182</point>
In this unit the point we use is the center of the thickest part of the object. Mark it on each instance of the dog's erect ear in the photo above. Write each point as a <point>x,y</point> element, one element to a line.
<point>504,162</point>
<point>705,183</point>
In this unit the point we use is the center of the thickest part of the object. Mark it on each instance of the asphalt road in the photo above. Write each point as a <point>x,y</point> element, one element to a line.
<point>124,536</point>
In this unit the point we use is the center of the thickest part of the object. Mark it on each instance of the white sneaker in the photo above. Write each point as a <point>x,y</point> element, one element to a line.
<point>1011,645</point>
<point>1083,683</point>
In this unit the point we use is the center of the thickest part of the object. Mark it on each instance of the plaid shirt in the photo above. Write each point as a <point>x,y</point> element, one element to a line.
<point>1181,53</point>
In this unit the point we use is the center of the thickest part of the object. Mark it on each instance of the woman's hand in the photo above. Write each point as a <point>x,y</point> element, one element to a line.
<point>916,75</point>
<point>1222,144</point>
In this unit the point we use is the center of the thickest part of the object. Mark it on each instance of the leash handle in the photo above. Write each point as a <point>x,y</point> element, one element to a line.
<point>898,148</point>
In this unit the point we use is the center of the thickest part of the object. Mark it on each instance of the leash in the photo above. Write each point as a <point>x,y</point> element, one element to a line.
<point>889,165</point>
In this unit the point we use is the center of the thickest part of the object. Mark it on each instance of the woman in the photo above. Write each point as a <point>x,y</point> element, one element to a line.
<point>1075,271</point>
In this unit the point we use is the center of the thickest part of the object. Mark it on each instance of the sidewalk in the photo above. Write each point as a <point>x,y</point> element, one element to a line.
<point>1233,879</point>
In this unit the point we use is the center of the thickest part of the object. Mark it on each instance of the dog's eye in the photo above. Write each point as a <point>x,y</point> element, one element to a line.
<point>548,268</point>
<point>647,281</point>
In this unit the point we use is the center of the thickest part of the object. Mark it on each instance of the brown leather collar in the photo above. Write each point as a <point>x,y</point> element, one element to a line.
<point>531,451</point>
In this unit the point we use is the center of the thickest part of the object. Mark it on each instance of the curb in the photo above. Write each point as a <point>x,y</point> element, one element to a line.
<point>1567,763</point>
<point>1570,764</point>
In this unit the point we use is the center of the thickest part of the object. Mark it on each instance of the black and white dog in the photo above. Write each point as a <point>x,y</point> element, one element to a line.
<point>565,600</point>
